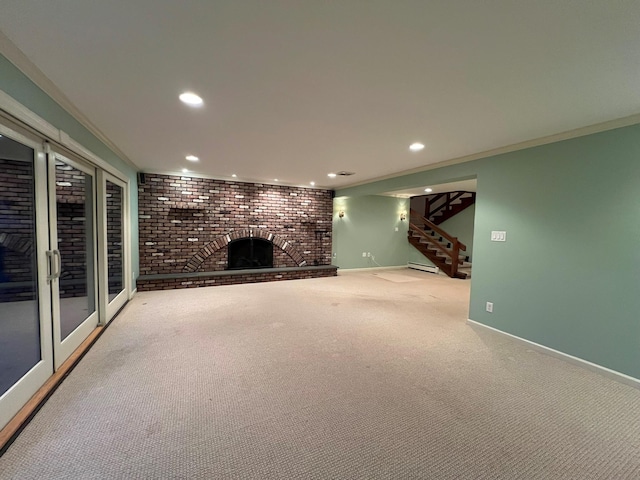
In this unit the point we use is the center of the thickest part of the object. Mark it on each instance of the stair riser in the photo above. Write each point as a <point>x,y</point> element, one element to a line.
<point>436,256</point>
<point>430,254</point>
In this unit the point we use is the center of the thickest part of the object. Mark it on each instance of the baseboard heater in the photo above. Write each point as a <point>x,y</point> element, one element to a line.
<point>424,268</point>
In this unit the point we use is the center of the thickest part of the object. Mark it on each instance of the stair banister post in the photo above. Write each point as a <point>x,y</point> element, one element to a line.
<point>456,257</point>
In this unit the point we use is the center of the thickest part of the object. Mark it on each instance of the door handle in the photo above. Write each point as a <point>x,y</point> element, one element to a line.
<point>56,254</point>
<point>50,275</point>
<point>54,265</point>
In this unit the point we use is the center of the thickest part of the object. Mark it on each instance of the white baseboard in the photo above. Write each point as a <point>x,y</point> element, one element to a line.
<point>607,372</point>
<point>396,267</point>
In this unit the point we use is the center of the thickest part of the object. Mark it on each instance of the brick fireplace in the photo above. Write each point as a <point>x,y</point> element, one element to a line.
<point>187,224</point>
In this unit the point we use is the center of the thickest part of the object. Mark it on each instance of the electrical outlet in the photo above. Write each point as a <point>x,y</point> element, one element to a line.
<point>490,307</point>
<point>368,254</point>
<point>364,254</point>
<point>396,229</point>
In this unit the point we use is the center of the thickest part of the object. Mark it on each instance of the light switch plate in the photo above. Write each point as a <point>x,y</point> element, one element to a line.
<point>498,236</point>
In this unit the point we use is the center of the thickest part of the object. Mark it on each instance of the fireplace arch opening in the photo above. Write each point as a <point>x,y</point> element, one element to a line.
<point>246,253</point>
<point>195,262</point>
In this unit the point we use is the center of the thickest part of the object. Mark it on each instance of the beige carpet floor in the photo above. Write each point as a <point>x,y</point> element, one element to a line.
<point>353,377</point>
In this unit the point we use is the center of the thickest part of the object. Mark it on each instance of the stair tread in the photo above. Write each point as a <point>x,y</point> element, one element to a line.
<point>431,243</point>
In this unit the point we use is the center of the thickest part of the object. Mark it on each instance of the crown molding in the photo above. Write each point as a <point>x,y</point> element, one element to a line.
<point>557,137</point>
<point>178,173</point>
<point>28,68</point>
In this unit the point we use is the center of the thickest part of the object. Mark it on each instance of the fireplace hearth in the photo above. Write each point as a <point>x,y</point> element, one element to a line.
<point>249,253</point>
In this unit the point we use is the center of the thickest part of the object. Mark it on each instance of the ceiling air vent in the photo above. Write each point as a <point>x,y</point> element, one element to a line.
<point>345,174</point>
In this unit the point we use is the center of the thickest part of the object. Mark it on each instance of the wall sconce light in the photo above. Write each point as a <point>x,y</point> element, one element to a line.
<point>403,216</point>
<point>341,213</point>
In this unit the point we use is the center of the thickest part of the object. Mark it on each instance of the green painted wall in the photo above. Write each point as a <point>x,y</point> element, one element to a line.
<point>17,85</point>
<point>461,226</point>
<point>413,255</point>
<point>567,277</point>
<point>369,225</point>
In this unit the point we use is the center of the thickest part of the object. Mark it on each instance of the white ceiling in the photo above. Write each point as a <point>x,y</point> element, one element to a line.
<point>295,89</point>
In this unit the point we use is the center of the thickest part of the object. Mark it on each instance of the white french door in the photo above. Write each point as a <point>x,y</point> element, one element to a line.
<point>113,230</point>
<point>26,350</point>
<point>64,259</point>
<point>73,248</point>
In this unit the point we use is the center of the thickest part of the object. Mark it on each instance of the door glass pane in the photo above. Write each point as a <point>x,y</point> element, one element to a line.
<point>114,239</point>
<point>74,206</point>
<point>19,316</point>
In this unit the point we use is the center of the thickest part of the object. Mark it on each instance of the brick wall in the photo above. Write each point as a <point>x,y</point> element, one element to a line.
<point>71,192</point>
<point>17,230</point>
<point>114,238</point>
<point>179,216</point>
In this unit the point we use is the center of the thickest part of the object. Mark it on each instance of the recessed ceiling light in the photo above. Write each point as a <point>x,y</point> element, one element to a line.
<point>275,179</point>
<point>428,190</point>
<point>192,158</point>
<point>191,99</point>
<point>234,175</point>
<point>416,147</point>
<point>184,170</point>
<point>312,183</point>
<point>331,175</point>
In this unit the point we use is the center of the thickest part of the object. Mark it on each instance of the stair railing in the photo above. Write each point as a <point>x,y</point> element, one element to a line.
<point>446,205</point>
<point>432,203</point>
<point>415,220</point>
